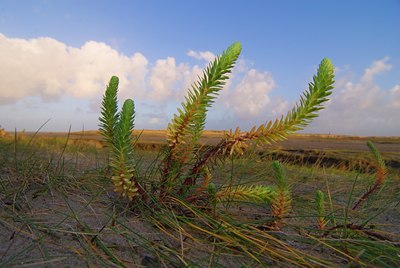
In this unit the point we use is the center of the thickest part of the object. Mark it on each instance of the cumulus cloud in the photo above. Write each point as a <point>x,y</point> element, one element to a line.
<point>376,67</point>
<point>395,96</point>
<point>164,75</point>
<point>201,55</point>
<point>50,69</point>
<point>250,96</point>
<point>46,68</point>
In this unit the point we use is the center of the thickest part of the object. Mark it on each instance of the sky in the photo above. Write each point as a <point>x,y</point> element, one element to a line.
<point>56,58</point>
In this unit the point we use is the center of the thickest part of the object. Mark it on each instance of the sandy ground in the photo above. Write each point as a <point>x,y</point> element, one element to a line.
<point>41,227</point>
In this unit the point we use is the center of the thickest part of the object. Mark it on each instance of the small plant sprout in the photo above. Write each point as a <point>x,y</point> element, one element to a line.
<point>116,128</point>
<point>281,202</point>
<point>380,175</point>
<point>320,208</point>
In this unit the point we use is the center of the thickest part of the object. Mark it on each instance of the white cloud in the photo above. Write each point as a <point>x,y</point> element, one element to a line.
<point>395,96</point>
<point>249,98</point>
<point>395,90</point>
<point>171,81</point>
<point>189,76</point>
<point>164,75</point>
<point>280,107</point>
<point>377,67</point>
<point>201,55</point>
<point>155,121</point>
<point>50,69</point>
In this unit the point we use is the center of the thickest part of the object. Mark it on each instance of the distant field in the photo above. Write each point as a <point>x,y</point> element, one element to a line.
<point>328,150</point>
<point>297,141</point>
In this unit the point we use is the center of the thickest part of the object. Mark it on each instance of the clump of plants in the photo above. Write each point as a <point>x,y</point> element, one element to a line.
<point>186,170</point>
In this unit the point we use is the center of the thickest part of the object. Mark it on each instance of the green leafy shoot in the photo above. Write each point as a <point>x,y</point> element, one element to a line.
<point>258,194</point>
<point>280,176</point>
<point>109,112</point>
<point>272,131</point>
<point>376,155</point>
<point>188,124</point>
<point>282,201</point>
<point>116,128</point>
<point>297,119</point>
<point>320,208</point>
<point>123,141</point>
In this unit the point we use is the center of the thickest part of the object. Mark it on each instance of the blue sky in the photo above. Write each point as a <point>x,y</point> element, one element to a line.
<point>57,57</point>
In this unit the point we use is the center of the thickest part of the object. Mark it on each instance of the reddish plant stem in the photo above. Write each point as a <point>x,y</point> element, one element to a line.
<point>380,177</point>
